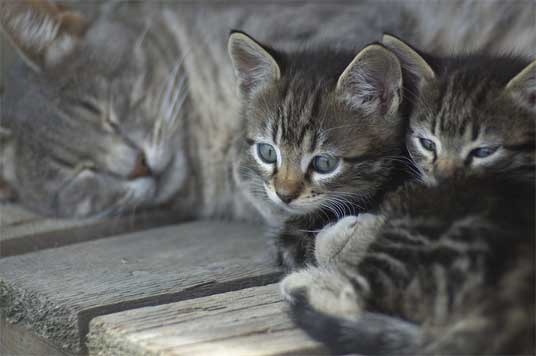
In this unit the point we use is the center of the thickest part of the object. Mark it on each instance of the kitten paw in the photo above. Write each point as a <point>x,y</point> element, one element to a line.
<point>327,291</point>
<point>351,233</point>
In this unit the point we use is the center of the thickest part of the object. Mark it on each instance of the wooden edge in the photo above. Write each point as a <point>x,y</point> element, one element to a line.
<point>199,291</point>
<point>101,229</point>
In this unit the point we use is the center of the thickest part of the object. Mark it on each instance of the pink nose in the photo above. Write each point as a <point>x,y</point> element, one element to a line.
<point>141,168</point>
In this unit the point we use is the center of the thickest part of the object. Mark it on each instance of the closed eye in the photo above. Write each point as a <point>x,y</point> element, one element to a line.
<point>89,106</point>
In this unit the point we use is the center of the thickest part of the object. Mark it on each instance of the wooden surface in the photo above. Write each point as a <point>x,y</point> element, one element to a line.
<point>250,321</point>
<point>22,231</point>
<point>17,341</point>
<point>56,292</point>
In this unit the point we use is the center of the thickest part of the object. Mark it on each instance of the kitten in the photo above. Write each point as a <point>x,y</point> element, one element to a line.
<point>132,104</point>
<point>447,267</point>
<point>322,135</point>
<point>136,106</point>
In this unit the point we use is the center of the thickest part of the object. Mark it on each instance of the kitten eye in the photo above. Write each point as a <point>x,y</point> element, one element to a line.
<point>325,164</point>
<point>267,153</point>
<point>483,152</point>
<point>427,144</point>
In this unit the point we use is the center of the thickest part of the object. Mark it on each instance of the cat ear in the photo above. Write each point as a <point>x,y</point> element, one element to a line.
<point>253,65</point>
<point>411,61</point>
<point>523,87</point>
<point>42,32</point>
<point>373,81</point>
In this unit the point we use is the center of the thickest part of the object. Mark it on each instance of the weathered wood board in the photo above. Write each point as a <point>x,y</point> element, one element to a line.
<point>17,341</point>
<point>250,321</point>
<point>22,231</point>
<point>56,292</point>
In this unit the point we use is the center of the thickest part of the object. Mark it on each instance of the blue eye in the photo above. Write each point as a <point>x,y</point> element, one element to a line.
<point>483,152</point>
<point>325,164</point>
<point>427,144</point>
<point>266,153</point>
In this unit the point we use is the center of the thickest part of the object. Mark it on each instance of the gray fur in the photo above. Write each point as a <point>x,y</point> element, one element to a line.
<point>79,167</point>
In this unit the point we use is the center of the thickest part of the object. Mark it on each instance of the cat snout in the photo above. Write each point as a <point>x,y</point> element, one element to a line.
<point>286,197</point>
<point>141,167</point>
<point>446,168</point>
<point>287,191</point>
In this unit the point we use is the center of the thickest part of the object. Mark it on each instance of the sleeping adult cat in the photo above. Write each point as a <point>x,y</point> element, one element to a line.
<point>136,106</point>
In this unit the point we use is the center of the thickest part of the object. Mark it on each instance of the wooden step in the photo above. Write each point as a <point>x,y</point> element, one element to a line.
<point>250,321</point>
<point>22,231</point>
<point>56,292</point>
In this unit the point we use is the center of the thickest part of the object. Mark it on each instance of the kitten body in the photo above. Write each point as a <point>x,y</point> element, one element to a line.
<point>445,267</point>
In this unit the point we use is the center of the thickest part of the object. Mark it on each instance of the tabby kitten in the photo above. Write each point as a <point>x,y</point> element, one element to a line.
<point>128,105</point>
<point>135,106</point>
<point>322,135</point>
<point>447,267</point>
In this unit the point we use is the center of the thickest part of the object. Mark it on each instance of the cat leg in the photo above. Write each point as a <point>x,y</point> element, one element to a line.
<point>347,241</point>
<point>325,290</point>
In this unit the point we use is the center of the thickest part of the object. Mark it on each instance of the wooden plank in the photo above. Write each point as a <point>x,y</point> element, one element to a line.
<point>250,321</point>
<point>56,292</point>
<point>18,341</point>
<point>22,231</point>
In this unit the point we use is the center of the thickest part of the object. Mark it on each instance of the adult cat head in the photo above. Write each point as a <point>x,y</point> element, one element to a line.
<point>322,129</point>
<point>472,115</point>
<point>93,110</point>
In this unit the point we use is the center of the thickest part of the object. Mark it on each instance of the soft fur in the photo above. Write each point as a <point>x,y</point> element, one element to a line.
<point>447,267</point>
<point>309,104</point>
<point>128,105</point>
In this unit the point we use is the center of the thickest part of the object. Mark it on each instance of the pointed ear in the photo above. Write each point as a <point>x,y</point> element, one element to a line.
<point>523,87</point>
<point>253,65</point>
<point>42,32</point>
<point>411,61</point>
<point>373,81</point>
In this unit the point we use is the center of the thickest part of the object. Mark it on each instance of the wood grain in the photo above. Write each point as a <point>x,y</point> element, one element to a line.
<point>18,341</point>
<point>250,321</point>
<point>22,231</point>
<point>56,292</point>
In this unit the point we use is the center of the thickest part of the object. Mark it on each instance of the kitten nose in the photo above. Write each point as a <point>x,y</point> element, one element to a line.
<point>141,168</point>
<point>287,197</point>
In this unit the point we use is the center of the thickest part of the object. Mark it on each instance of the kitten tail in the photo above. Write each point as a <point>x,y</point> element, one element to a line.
<point>371,334</point>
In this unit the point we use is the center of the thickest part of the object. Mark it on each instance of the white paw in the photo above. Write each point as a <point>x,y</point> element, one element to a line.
<point>347,240</point>
<point>325,290</point>
<point>295,283</point>
<point>332,239</point>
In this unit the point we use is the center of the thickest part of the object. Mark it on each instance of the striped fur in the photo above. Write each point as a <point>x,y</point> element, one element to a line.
<point>304,113</point>
<point>151,52</point>
<point>446,268</point>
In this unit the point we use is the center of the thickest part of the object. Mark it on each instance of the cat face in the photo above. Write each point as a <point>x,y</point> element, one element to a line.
<point>93,118</point>
<point>317,135</point>
<point>472,117</point>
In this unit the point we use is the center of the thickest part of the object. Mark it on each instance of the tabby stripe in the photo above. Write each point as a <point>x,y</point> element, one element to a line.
<point>361,159</point>
<point>526,146</point>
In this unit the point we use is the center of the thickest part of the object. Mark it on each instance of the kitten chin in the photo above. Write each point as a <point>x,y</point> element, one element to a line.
<point>440,269</point>
<point>322,136</point>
